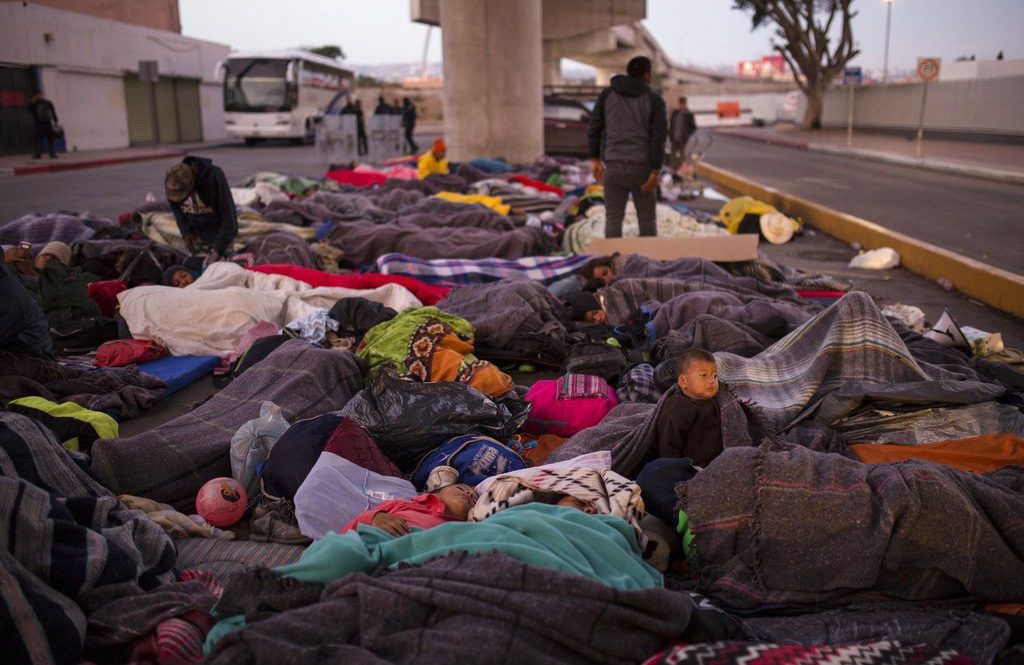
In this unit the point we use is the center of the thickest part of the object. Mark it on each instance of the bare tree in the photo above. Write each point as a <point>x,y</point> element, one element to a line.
<point>803,26</point>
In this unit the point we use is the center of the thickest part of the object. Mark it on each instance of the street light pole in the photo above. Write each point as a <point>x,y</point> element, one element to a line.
<point>888,22</point>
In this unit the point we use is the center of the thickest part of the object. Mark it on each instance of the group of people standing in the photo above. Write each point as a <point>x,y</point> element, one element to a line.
<point>407,110</point>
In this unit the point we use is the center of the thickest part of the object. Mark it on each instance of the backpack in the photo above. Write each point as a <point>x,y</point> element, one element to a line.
<point>564,417</point>
<point>121,352</point>
<point>82,335</point>
<point>598,359</point>
<point>474,457</point>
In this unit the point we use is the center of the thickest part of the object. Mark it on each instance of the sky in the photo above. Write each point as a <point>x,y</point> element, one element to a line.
<point>701,32</point>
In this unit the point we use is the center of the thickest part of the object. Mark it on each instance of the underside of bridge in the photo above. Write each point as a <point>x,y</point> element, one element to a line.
<point>499,54</point>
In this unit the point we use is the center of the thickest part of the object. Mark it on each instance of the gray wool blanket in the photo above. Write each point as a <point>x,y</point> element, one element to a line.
<point>850,346</point>
<point>634,266</point>
<point>467,609</point>
<point>169,463</point>
<point>505,311</point>
<point>771,319</point>
<point>628,431</point>
<point>363,242</point>
<point>784,525</point>
<point>625,296</point>
<point>68,549</point>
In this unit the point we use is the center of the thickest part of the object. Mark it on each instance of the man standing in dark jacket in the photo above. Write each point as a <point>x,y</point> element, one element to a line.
<point>680,128</point>
<point>409,124</point>
<point>45,116</point>
<point>627,136</point>
<point>201,201</point>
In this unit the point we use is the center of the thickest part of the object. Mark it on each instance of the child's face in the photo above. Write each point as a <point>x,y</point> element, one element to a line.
<point>579,504</point>
<point>603,275</point>
<point>596,316</point>
<point>181,279</point>
<point>458,499</point>
<point>699,380</point>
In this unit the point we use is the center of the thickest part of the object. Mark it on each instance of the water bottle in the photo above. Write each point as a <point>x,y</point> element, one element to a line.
<point>945,283</point>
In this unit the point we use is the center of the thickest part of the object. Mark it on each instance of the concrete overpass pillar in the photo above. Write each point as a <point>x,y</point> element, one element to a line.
<point>493,91</point>
<point>603,76</point>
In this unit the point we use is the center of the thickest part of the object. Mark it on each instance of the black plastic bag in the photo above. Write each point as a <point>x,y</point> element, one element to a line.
<point>407,419</point>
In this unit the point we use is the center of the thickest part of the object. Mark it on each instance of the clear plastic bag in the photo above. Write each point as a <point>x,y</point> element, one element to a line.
<point>252,443</point>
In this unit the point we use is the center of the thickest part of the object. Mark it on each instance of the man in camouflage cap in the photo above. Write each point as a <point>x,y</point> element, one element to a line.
<point>201,201</point>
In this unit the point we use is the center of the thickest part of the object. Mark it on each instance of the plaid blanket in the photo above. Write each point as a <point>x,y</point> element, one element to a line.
<point>169,463</point>
<point>849,346</point>
<point>912,531</point>
<point>638,385</point>
<point>628,431</point>
<point>544,269</point>
<point>68,547</point>
<point>41,228</point>
<point>608,493</point>
<point>161,227</point>
<point>765,270</point>
<point>461,609</point>
<point>748,653</point>
<point>773,319</point>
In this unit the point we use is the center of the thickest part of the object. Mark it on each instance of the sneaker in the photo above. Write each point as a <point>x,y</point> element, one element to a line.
<point>275,523</point>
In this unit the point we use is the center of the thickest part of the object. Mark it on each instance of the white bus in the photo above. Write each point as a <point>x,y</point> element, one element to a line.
<point>279,94</point>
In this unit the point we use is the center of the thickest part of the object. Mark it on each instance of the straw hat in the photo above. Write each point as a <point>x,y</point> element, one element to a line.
<point>777,228</point>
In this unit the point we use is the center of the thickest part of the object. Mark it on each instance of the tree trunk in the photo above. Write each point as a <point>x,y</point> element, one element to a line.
<point>815,105</point>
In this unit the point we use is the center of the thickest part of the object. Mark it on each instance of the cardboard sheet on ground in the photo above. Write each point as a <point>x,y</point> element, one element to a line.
<point>741,247</point>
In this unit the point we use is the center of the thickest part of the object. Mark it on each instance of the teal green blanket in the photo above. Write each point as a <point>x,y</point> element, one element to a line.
<point>600,547</point>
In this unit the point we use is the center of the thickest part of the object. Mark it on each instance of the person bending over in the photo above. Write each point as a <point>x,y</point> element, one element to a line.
<point>689,424</point>
<point>451,503</point>
<point>201,201</point>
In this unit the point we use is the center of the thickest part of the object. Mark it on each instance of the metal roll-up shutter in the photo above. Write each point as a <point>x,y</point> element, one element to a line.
<point>138,98</point>
<point>166,111</point>
<point>190,120</point>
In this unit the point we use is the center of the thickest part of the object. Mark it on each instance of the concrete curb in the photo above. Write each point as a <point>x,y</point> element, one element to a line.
<point>939,166</point>
<point>994,286</point>
<point>107,161</point>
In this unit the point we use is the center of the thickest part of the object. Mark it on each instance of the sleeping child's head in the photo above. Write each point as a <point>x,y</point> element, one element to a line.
<point>697,374</point>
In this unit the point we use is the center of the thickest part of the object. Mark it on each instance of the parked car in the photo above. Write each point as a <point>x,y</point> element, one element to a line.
<point>565,126</point>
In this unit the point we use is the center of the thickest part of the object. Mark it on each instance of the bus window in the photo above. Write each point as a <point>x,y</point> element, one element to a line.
<point>257,85</point>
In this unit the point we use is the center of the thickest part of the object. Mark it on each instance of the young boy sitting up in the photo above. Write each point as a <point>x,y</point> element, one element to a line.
<point>446,504</point>
<point>689,424</point>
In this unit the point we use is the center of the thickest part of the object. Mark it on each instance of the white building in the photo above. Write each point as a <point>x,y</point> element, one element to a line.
<point>961,70</point>
<point>89,68</point>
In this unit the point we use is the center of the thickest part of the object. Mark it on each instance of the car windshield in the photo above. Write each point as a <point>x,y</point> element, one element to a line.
<point>256,84</point>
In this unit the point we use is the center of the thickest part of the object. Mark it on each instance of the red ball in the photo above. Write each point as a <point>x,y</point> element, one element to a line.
<point>221,501</point>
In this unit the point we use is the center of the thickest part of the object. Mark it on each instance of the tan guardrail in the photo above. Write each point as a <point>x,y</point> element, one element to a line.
<point>999,288</point>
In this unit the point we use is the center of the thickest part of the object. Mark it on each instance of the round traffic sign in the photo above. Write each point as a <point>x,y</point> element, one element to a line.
<point>928,69</point>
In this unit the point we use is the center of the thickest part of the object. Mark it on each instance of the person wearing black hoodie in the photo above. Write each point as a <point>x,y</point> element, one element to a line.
<point>627,134</point>
<point>201,201</point>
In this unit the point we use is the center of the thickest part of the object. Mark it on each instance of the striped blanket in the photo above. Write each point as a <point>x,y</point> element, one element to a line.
<point>545,269</point>
<point>850,346</point>
<point>605,491</point>
<point>67,548</point>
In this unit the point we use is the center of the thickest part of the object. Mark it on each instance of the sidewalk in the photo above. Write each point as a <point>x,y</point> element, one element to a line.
<point>1003,162</point>
<point>25,165</point>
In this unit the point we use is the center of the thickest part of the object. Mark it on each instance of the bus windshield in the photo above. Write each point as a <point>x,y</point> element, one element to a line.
<point>257,85</point>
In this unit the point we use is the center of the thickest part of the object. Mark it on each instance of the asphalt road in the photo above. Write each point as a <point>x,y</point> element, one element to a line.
<point>110,190</point>
<point>974,217</point>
